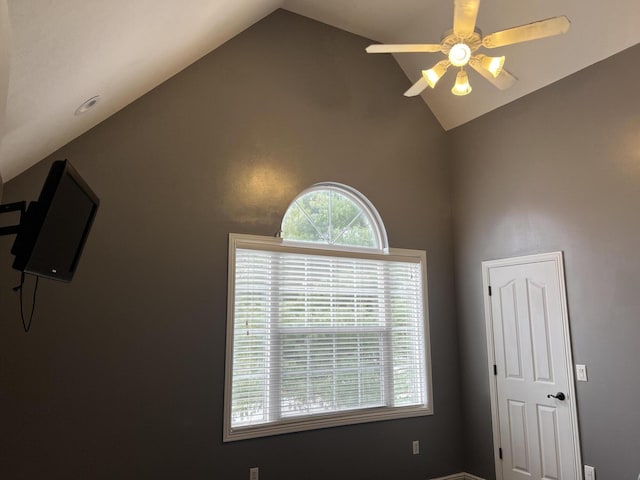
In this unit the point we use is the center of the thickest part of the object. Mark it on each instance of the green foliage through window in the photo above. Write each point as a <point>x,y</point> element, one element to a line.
<point>327,215</point>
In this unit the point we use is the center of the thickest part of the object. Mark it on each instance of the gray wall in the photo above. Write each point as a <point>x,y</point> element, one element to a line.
<point>121,375</point>
<point>560,170</point>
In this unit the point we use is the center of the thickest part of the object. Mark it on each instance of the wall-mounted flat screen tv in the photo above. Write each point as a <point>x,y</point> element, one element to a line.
<point>54,230</point>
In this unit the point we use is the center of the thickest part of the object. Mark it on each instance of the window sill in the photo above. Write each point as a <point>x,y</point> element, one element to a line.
<point>328,420</point>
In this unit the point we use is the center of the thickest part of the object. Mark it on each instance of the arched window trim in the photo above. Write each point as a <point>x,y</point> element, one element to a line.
<point>368,209</point>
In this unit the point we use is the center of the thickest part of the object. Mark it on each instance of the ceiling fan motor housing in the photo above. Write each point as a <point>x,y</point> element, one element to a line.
<point>449,39</point>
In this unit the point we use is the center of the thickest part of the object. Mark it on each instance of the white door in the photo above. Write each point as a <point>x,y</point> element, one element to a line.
<point>532,387</point>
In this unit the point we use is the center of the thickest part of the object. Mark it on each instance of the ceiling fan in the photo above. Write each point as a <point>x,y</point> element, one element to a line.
<point>461,43</point>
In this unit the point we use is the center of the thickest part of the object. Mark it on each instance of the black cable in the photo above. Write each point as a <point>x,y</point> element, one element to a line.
<point>27,326</point>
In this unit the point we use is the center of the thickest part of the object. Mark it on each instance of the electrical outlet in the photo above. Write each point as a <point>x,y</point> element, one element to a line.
<point>416,447</point>
<point>589,473</point>
<point>254,473</point>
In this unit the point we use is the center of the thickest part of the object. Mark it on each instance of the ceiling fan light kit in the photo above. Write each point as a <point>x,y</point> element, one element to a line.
<point>493,65</point>
<point>461,43</point>
<point>462,86</point>
<point>459,55</point>
<point>436,72</point>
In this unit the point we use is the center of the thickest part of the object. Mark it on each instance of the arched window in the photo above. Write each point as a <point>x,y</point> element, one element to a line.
<point>326,325</point>
<point>334,214</point>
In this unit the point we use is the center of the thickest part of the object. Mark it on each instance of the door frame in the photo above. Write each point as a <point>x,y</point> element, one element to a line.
<point>556,257</point>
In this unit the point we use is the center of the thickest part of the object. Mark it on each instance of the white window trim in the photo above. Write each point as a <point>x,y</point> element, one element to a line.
<point>331,419</point>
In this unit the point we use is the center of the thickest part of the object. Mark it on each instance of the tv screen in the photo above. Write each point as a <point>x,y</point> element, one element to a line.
<point>56,226</point>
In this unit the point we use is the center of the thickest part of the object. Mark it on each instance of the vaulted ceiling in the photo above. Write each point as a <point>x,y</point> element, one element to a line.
<point>55,55</point>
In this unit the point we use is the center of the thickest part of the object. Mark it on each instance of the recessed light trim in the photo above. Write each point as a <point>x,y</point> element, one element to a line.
<point>87,105</point>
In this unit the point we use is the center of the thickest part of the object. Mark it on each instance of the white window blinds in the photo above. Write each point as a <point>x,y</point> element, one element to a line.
<point>323,337</point>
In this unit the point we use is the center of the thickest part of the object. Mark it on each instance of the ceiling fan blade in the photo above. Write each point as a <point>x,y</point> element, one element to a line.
<point>524,33</point>
<point>417,88</point>
<point>465,13</point>
<point>405,48</point>
<point>504,80</point>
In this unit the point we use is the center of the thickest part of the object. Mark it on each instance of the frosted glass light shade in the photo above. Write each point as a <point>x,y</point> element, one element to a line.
<point>435,73</point>
<point>459,55</point>
<point>462,86</point>
<point>492,64</point>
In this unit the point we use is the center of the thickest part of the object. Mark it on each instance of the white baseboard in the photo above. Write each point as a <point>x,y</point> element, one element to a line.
<point>460,476</point>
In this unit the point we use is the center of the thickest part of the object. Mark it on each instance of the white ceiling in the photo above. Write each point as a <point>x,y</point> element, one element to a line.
<point>54,55</point>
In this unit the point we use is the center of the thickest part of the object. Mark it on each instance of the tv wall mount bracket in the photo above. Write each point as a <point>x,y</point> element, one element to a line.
<point>13,207</point>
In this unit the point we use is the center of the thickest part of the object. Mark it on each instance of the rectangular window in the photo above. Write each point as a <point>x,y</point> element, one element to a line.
<point>319,336</point>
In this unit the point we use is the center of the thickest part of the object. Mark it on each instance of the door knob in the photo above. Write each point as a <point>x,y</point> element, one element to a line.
<point>559,396</point>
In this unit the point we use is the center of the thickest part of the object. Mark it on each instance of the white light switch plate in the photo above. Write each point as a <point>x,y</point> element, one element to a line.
<point>581,373</point>
<point>589,473</point>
